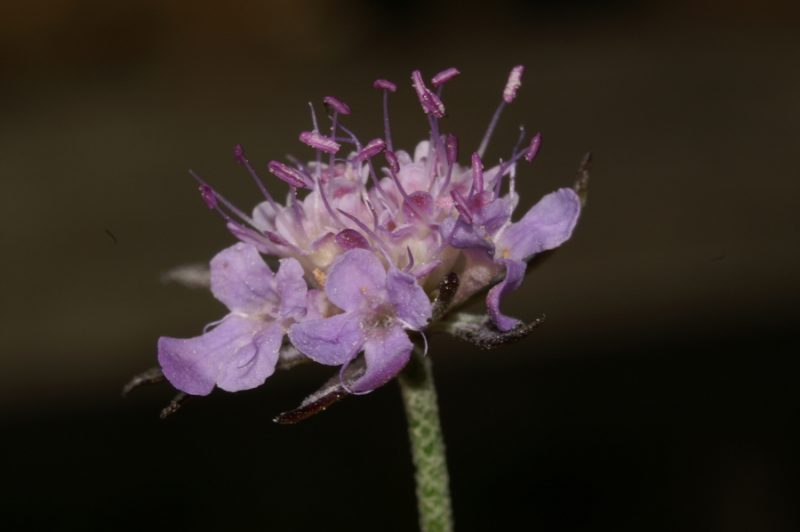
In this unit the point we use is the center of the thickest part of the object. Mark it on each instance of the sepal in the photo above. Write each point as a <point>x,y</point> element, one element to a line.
<point>479,330</point>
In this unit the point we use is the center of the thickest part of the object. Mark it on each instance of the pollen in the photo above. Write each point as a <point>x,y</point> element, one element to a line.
<point>506,253</point>
<point>320,277</point>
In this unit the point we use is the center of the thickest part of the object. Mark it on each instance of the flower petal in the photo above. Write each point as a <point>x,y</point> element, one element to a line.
<point>547,225</point>
<point>332,341</point>
<point>515,271</point>
<point>250,366</point>
<point>292,289</point>
<point>355,277</point>
<point>408,298</point>
<point>386,354</point>
<point>193,365</point>
<point>241,280</point>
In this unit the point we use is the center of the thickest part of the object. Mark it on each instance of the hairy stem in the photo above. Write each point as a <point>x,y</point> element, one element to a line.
<point>427,446</point>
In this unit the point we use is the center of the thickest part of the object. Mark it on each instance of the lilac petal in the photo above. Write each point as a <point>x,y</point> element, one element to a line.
<point>357,276</point>
<point>250,366</point>
<point>386,354</point>
<point>409,300</point>
<point>332,341</point>
<point>291,288</point>
<point>462,235</point>
<point>241,280</point>
<point>192,365</point>
<point>547,225</point>
<point>494,215</point>
<point>515,271</point>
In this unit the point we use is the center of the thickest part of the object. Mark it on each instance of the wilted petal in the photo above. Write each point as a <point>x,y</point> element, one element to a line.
<point>292,289</point>
<point>332,341</point>
<point>355,277</point>
<point>409,299</point>
<point>241,280</point>
<point>515,271</point>
<point>193,365</point>
<point>386,353</point>
<point>547,225</point>
<point>250,366</point>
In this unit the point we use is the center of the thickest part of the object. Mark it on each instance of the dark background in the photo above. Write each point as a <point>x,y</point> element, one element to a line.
<point>660,395</point>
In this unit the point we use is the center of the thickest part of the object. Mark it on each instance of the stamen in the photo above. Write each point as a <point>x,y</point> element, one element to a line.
<point>391,158</point>
<point>513,84</point>
<point>505,165</point>
<point>319,142</point>
<point>205,189</point>
<point>444,76</point>
<point>461,206</point>
<point>477,175</point>
<point>207,193</point>
<point>337,105</point>
<point>431,103</point>
<point>373,148</point>
<point>238,154</point>
<point>410,260</point>
<point>294,177</point>
<point>384,84</point>
<point>533,149</point>
<point>509,93</point>
<point>387,87</point>
<point>315,125</point>
<point>451,152</point>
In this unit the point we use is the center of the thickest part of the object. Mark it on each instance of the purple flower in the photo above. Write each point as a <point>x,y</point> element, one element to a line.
<point>378,306</point>
<point>241,351</point>
<point>367,236</point>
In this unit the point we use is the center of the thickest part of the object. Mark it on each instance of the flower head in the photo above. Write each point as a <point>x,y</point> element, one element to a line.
<point>367,235</point>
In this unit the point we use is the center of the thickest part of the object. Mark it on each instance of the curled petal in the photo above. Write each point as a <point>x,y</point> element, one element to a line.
<point>547,225</point>
<point>386,354</point>
<point>515,271</point>
<point>332,341</point>
<point>241,280</point>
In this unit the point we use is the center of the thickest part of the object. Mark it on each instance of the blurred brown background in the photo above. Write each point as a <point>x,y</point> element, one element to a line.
<point>661,393</point>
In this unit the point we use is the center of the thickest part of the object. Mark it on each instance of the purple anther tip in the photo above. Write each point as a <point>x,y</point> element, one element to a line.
<point>513,83</point>
<point>391,158</point>
<point>444,76</point>
<point>417,83</point>
<point>384,84</point>
<point>431,103</point>
<point>337,105</point>
<point>451,147</point>
<point>533,148</point>
<point>373,148</point>
<point>286,173</point>
<point>477,165</point>
<point>319,142</point>
<point>351,239</point>
<point>238,153</point>
<point>208,195</point>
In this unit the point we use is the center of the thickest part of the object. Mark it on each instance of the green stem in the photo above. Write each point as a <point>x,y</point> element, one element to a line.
<point>427,446</point>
